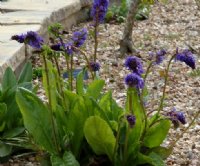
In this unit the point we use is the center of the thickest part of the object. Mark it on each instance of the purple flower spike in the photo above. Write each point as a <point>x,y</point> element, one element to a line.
<point>56,47</point>
<point>34,40</point>
<point>99,10</point>
<point>94,66</point>
<point>19,38</point>
<point>180,116</point>
<point>187,57</point>
<point>135,81</point>
<point>79,37</point>
<point>131,120</point>
<point>160,55</point>
<point>176,117</point>
<point>134,64</point>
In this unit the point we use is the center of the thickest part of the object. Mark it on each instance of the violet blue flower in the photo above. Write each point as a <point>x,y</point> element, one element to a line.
<point>56,47</point>
<point>34,40</point>
<point>134,64</point>
<point>176,116</point>
<point>131,120</point>
<point>160,55</point>
<point>79,37</point>
<point>187,57</point>
<point>19,38</point>
<point>134,81</point>
<point>94,66</point>
<point>99,10</point>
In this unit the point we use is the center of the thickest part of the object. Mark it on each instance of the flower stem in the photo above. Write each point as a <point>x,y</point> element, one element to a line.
<point>185,130</point>
<point>50,102</point>
<point>71,73</point>
<point>165,85</point>
<point>95,41</point>
<point>126,146</point>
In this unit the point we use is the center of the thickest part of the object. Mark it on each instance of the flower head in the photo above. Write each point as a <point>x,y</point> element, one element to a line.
<point>176,116</point>
<point>19,38</point>
<point>187,57</point>
<point>160,55</point>
<point>134,64</point>
<point>56,47</point>
<point>79,37</point>
<point>99,10</point>
<point>33,39</point>
<point>135,81</point>
<point>131,120</point>
<point>94,66</point>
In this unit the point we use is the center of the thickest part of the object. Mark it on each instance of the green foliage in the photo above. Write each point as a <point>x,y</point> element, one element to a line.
<point>11,122</point>
<point>100,136</point>
<point>67,160</point>
<point>36,118</point>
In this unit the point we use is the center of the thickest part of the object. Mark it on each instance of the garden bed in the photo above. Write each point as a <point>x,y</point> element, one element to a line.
<point>169,26</point>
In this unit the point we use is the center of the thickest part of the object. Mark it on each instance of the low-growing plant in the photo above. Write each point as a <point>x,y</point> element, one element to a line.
<point>80,124</point>
<point>12,131</point>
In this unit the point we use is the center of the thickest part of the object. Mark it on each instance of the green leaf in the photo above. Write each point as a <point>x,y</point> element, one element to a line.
<point>52,84</point>
<point>95,88</point>
<point>156,159</point>
<point>13,132</point>
<point>142,159</point>
<point>26,73</point>
<point>36,118</point>
<point>80,83</point>
<point>100,136</point>
<point>67,160</point>
<point>5,149</point>
<point>157,133</point>
<point>136,131</point>
<point>9,79</point>
<point>163,152</point>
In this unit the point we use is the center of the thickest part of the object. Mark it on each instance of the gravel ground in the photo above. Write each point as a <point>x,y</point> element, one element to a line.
<point>176,24</point>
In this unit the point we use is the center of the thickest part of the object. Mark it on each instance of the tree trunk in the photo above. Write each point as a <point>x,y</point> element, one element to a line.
<point>126,43</point>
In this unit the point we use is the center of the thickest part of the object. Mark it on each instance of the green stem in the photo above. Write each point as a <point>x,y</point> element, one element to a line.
<point>87,60</point>
<point>71,73</point>
<point>95,42</point>
<point>126,146</point>
<point>185,130</point>
<point>130,100</point>
<point>116,143</point>
<point>165,85</point>
<point>50,102</point>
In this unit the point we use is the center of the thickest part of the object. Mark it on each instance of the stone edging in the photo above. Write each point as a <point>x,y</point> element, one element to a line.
<point>19,16</point>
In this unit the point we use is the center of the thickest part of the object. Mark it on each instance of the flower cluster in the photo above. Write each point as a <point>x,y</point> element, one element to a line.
<point>134,79</point>
<point>94,66</point>
<point>187,57</point>
<point>79,37</point>
<point>159,56</point>
<point>77,40</point>
<point>99,10</point>
<point>31,38</point>
<point>134,64</point>
<point>131,120</point>
<point>176,117</point>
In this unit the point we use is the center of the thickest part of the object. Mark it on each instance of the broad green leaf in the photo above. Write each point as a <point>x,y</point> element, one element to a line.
<point>157,133</point>
<point>9,79</point>
<point>13,132</point>
<point>163,152</point>
<point>52,84</point>
<point>5,149</point>
<point>156,159</point>
<point>75,124</point>
<point>80,83</point>
<point>26,73</point>
<point>136,131</point>
<point>94,89</point>
<point>100,136</point>
<point>142,159</point>
<point>36,118</point>
<point>67,160</point>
